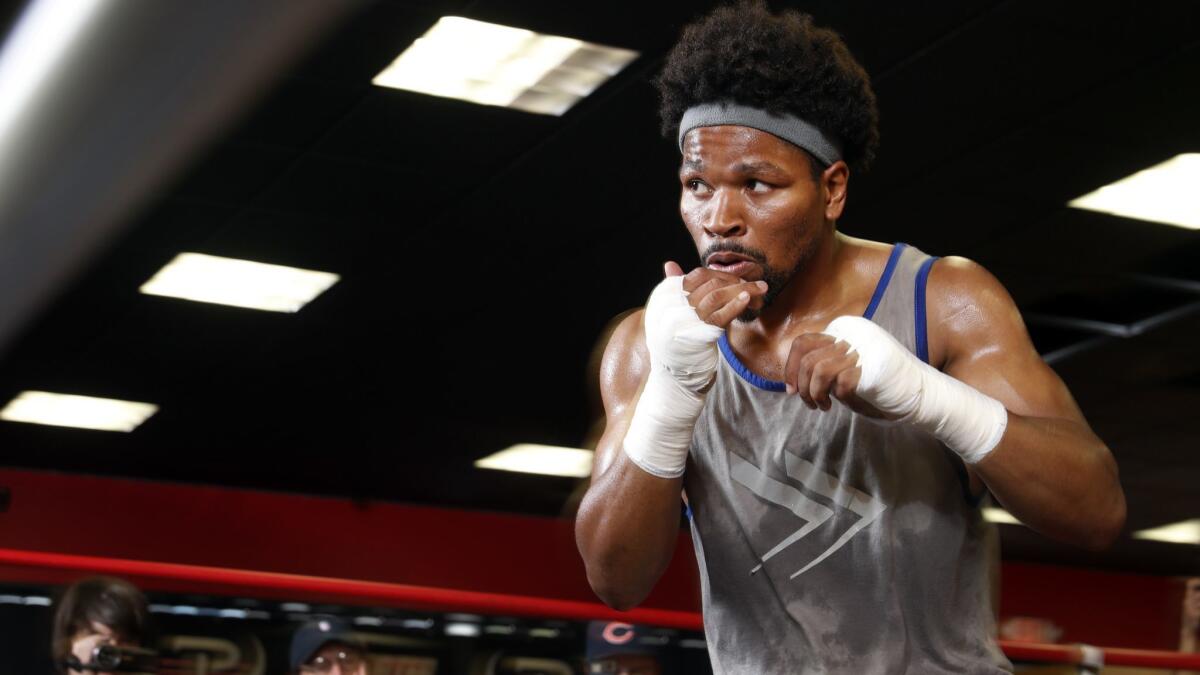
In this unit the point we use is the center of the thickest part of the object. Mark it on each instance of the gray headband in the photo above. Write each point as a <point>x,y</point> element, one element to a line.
<point>791,129</point>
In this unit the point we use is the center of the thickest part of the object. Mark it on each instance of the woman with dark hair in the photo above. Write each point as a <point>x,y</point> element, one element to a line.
<point>94,613</point>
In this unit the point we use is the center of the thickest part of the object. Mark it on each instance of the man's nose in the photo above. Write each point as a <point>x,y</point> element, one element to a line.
<point>725,217</point>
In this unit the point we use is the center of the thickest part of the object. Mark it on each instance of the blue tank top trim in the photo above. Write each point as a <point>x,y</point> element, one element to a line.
<point>919,309</point>
<point>773,385</point>
<point>880,287</point>
<point>920,316</point>
<point>740,368</point>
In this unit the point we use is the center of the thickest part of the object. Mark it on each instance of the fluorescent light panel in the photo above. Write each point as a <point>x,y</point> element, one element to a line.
<point>498,65</point>
<point>545,460</point>
<point>1186,532</point>
<point>240,283</point>
<point>84,412</point>
<point>1164,193</point>
<point>997,515</point>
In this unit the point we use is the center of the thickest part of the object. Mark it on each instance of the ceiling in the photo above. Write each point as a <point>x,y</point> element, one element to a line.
<point>482,251</point>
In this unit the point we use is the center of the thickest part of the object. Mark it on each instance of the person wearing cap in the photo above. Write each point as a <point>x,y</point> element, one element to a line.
<point>616,648</point>
<point>327,647</point>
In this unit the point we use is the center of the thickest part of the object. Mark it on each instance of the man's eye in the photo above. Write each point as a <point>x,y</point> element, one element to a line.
<point>756,185</point>
<point>697,187</point>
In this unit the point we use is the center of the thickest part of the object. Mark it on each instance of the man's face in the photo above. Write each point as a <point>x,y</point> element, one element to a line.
<point>336,659</point>
<point>751,204</point>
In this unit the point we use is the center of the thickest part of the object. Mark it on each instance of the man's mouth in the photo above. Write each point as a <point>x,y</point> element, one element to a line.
<point>734,263</point>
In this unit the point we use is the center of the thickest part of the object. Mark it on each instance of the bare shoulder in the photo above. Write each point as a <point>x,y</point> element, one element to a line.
<point>961,282</point>
<point>976,334</point>
<point>969,310</point>
<point>625,363</point>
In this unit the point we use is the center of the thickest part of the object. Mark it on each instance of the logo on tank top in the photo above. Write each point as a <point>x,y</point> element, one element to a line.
<point>814,513</point>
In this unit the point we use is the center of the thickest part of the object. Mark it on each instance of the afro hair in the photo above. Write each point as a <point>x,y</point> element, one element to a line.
<point>780,63</point>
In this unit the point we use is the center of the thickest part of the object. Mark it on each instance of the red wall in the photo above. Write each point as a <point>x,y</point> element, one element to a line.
<point>468,550</point>
<point>453,549</point>
<point>1097,608</point>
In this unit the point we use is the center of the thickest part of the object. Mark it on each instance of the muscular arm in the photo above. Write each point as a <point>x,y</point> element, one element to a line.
<point>1049,470</point>
<point>628,522</point>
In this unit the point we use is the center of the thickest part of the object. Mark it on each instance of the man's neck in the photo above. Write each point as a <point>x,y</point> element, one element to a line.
<point>810,295</point>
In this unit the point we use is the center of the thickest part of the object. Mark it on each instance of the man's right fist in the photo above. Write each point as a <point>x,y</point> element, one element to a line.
<point>720,297</point>
<point>677,339</point>
<point>683,364</point>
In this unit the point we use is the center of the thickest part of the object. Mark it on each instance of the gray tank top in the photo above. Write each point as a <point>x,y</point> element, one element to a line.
<point>831,543</point>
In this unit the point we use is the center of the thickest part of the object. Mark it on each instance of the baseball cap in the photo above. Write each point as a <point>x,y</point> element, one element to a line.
<point>610,638</point>
<point>309,638</point>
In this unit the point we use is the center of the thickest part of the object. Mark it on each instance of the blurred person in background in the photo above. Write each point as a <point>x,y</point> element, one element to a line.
<point>327,647</point>
<point>102,620</point>
<point>615,648</point>
<point>1189,621</point>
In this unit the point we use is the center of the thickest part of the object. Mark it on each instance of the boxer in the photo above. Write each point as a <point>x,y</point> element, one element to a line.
<point>831,409</point>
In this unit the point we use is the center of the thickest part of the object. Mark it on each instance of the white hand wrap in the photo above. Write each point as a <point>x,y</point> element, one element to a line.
<point>896,382</point>
<point>683,362</point>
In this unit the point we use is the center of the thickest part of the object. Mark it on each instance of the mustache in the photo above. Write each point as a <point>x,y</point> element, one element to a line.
<point>734,247</point>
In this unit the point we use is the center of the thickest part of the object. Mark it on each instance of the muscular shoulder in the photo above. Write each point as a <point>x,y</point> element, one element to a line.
<point>625,363</point>
<point>969,311</point>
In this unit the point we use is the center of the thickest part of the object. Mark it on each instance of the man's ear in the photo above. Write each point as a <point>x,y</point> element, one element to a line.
<point>834,180</point>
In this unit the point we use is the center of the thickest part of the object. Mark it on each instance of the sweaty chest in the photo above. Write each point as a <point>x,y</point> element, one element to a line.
<point>768,357</point>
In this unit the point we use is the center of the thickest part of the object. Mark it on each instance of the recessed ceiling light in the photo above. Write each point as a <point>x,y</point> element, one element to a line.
<point>1186,532</point>
<point>503,66</point>
<point>241,283</point>
<point>84,412</point>
<point>998,515</point>
<point>1164,193</point>
<point>546,460</point>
